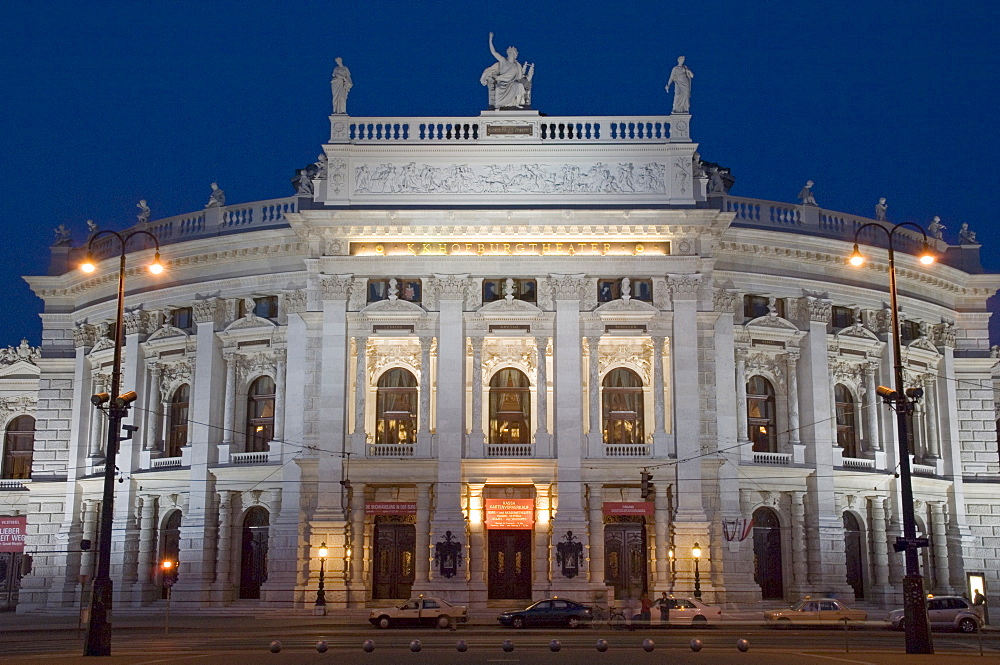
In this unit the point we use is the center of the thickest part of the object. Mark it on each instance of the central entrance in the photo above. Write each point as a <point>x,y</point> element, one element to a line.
<point>509,572</point>
<point>395,549</point>
<point>625,559</point>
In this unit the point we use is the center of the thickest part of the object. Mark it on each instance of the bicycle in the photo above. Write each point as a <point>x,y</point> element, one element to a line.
<point>614,617</point>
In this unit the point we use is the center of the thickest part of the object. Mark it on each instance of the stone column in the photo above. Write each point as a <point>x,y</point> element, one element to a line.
<point>568,398</point>
<point>939,543</point>
<point>147,550</point>
<point>800,561</point>
<point>229,420</point>
<point>687,426</point>
<point>326,325</point>
<point>424,424</point>
<point>477,438</point>
<point>872,438</point>
<point>543,447</point>
<point>153,412</point>
<point>360,389</point>
<point>98,425</point>
<point>91,507</point>
<point>423,537</point>
<point>595,528</point>
<point>357,544</point>
<point>741,396</point>
<point>880,547</point>
<point>791,361</point>
<point>933,447</point>
<point>658,406</point>
<point>477,539</point>
<point>596,436</point>
<point>222,591</point>
<point>281,363</point>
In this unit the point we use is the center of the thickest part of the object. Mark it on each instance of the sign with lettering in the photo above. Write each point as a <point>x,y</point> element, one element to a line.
<point>12,530</point>
<point>629,508</point>
<point>509,513</point>
<point>522,130</point>
<point>490,248</point>
<point>391,508</point>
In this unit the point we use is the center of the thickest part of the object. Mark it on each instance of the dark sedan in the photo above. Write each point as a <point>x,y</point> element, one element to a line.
<point>551,612</point>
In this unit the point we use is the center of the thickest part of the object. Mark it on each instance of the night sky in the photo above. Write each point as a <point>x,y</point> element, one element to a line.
<point>108,102</point>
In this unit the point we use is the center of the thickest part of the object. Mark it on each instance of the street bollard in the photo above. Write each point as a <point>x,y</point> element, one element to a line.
<point>508,646</point>
<point>275,646</point>
<point>602,645</point>
<point>415,646</point>
<point>368,646</point>
<point>695,645</point>
<point>648,645</point>
<point>743,645</point>
<point>555,645</point>
<point>322,646</point>
<point>461,646</point>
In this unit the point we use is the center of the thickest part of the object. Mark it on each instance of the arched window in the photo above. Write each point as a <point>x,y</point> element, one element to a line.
<point>622,407</point>
<point>761,423</point>
<point>260,414</point>
<point>510,407</point>
<point>847,434</point>
<point>170,550</point>
<point>18,444</point>
<point>253,560</point>
<point>396,408</point>
<point>177,421</point>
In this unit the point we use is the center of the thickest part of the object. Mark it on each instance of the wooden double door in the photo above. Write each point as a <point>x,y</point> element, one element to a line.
<point>625,559</point>
<point>394,564</point>
<point>509,564</point>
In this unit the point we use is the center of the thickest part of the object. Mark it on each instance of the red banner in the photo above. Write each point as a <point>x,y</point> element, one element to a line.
<point>629,508</point>
<point>509,513</point>
<point>12,530</point>
<point>391,508</point>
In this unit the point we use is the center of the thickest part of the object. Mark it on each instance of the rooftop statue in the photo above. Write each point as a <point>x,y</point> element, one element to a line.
<point>303,182</point>
<point>966,236</point>
<point>880,210</point>
<point>936,227</point>
<point>62,236</point>
<point>144,211</point>
<point>806,194</point>
<point>92,227</point>
<point>217,198</point>
<point>340,86</point>
<point>508,81</point>
<point>24,351</point>
<point>680,78</point>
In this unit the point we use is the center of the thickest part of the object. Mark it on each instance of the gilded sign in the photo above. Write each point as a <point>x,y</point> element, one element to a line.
<point>547,248</point>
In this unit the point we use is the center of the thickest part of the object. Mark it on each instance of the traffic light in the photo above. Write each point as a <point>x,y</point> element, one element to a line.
<point>646,487</point>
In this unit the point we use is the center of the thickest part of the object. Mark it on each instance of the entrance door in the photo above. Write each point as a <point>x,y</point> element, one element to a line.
<point>253,564</point>
<point>10,579</point>
<point>625,559</point>
<point>509,563</point>
<point>393,569</point>
<point>852,549</point>
<point>767,554</point>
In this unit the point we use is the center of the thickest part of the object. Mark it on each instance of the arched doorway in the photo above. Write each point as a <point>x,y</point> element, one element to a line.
<point>170,550</point>
<point>253,562</point>
<point>852,550</point>
<point>767,554</point>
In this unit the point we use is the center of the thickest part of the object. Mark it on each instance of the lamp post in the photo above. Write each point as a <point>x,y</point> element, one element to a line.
<point>320,607</point>
<point>696,553</point>
<point>168,582</point>
<point>99,630</point>
<point>918,633</point>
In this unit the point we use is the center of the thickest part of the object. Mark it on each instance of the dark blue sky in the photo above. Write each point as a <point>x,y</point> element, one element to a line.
<point>108,102</point>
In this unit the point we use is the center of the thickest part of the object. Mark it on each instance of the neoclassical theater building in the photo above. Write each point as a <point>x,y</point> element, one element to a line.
<point>451,358</point>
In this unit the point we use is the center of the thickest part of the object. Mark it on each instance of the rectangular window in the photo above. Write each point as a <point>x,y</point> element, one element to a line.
<point>266,307</point>
<point>757,306</point>
<point>182,318</point>
<point>909,331</point>
<point>841,317</point>
<point>639,288</point>
<point>403,288</point>
<point>521,289</point>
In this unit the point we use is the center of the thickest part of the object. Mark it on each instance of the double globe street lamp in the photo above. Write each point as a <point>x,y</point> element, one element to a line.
<point>117,404</point>
<point>918,632</point>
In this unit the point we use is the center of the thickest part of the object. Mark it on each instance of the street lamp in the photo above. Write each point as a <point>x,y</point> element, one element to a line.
<point>99,630</point>
<point>696,553</point>
<point>918,632</point>
<point>320,607</point>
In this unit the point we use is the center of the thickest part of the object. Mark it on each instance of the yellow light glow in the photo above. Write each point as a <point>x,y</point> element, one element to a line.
<point>926,257</point>
<point>348,552</point>
<point>88,264</point>
<point>670,554</point>
<point>323,551</point>
<point>696,551</point>
<point>156,267</point>
<point>167,565</point>
<point>856,258</point>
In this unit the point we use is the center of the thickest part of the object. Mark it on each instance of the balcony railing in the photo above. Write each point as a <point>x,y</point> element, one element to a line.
<point>166,462</point>
<point>772,459</point>
<point>260,457</point>
<point>391,450</point>
<point>509,450</point>
<point>626,450</point>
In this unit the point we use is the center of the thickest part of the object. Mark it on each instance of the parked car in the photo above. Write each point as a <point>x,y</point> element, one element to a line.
<point>946,612</point>
<point>549,612</point>
<point>689,610</point>
<point>814,612</point>
<point>420,612</point>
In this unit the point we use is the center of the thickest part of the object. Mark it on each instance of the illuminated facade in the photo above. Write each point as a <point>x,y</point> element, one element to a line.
<point>451,361</point>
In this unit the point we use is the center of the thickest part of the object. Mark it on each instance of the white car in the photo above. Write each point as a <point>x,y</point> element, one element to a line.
<point>421,611</point>
<point>684,610</point>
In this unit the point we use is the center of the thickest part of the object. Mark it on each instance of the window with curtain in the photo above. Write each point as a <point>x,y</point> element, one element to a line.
<point>177,421</point>
<point>260,415</point>
<point>847,435</point>
<point>761,422</point>
<point>18,446</point>
<point>510,407</point>
<point>622,407</point>
<point>396,407</point>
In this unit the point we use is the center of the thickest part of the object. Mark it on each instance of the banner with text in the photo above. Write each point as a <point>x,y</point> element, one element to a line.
<point>629,508</point>
<point>12,530</point>
<point>509,513</point>
<point>391,508</point>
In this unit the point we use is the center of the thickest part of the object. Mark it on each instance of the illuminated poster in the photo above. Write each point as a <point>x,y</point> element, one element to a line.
<point>509,513</point>
<point>12,531</point>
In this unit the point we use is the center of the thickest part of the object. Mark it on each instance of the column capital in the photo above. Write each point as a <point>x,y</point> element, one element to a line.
<point>451,287</point>
<point>336,287</point>
<point>209,310</point>
<point>567,287</point>
<point>684,286</point>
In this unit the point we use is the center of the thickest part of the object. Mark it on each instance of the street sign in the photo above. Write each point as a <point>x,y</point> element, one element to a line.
<point>903,544</point>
